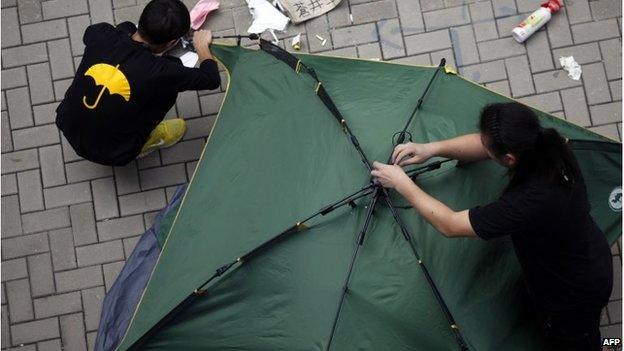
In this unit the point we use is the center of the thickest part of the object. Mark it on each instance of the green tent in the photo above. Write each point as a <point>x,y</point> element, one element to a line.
<point>277,154</point>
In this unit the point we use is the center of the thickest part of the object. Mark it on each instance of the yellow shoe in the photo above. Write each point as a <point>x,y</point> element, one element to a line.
<point>166,134</point>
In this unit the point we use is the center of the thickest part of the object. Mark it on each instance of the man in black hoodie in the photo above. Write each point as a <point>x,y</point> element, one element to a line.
<point>114,109</point>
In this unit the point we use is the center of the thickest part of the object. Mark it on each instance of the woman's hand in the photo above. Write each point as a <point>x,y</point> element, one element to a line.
<point>410,153</point>
<point>391,176</point>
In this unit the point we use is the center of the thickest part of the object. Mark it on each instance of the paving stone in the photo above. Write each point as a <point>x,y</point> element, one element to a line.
<point>390,38</point>
<point>582,54</point>
<point>83,224</point>
<point>104,198</point>
<point>92,300</point>
<point>142,202</point>
<point>69,155</point>
<point>219,20</point>
<point>91,338</point>
<point>62,248</point>
<point>6,139</point>
<point>122,227</point>
<point>575,106</point>
<point>45,114</point>
<point>9,184</point>
<point>317,26</point>
<point>14,78</point>
<point>607,130</point>
<point>29,11</point>
<point>370,51</point>
<point>210,104</point>
<point>151,160</point>
<point>188,104</point>
<point>61,61</point>
<point>11,222</point>
<point>578,11</point>
<point>10,28</point>
<point>111,271</point>
<point>18,296</point>
<point>615,311</point>
<point>8,3</point>
<point>464,45</point>
<point>504,8</point>
<point>60,88</point>
<point>29,185</point>
<point>67,194</point>
<point>130,243</point>
<point>354,35</point>
<point>52,167</point>
<point>41,90</point>
<point>14,269</point>
<point>349,52</point>
<point>64,8</point>
<point>45,220</point>
<point>559,30</point>
<point>86,170</point>
<point>41,276</point>
<point>485,72</point>
<point>549,102</point>
<point>80,278</point>
<point>36,136</point>
<point>616,93</point>
<point>501,87</point>
<point>127,177</point>
<point>595,82</point>
<point>34,331</point>
<point>77,26</point>
<point>483,21</point>
<point>19,161</point>
<point>106,252</point>
<point>200,127</point>
<point>162,176</point>
<point>606,113</point>
<point>411,16</point>
<point>506,24</point>
<point>57,304</point>
<point>553,80</point>
<point>427,42</point>
<point>612,57</point>
<point>603,9</point>
<point>6,335</point>
<point>73,332</point>
<point>593,31</point>
<point>24,55</point>
<point>49,345</point>
<point>429,5</point>
<point>519,74</point>
<point>416,60</point>
<point>24,245</point>
<point>373,11</point>
<point>500,48</point>
<point>444,54</point>
<point>43,31</point>
<point>20,113</point>
<point>183,151</point>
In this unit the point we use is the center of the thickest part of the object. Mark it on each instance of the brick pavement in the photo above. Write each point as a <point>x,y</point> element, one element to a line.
<point>68,224</point>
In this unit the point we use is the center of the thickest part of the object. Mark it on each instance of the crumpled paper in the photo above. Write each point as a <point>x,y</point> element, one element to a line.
<point>201,10</point>
<point>265,16</point>
<point>571,66</point>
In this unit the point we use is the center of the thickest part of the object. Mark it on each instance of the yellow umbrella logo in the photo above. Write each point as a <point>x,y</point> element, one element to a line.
<point>110,78</point>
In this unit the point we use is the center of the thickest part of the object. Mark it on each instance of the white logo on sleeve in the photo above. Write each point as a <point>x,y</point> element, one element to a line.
<point>615,199</point>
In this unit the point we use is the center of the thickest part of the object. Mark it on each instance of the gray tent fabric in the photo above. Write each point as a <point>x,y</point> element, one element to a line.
<point>123,297</point>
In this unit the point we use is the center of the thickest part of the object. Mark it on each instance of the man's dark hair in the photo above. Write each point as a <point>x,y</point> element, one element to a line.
<point>163,21</point>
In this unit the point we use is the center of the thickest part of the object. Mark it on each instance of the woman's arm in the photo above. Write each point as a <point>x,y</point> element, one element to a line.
<point>465,148</point>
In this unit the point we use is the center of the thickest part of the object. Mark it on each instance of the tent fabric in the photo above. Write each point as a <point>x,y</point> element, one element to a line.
<point>277,155</point>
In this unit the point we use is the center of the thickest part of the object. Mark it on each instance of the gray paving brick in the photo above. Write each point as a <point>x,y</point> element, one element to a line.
<point>69,155</point>
<point>595,82</point>
<point>77,26</point>
<point>45,220</point>
<point>616,93</point>
<point>429,5</point>
<point>11,222</point>
<point>6,335</point>
<point>29,11</point>
<point>20,113</point>
<point>504,8</point>
<point>151,160</point>
<point>603,9</point>
<point>445,18</point>
<point>427,42</point>
<point>52,167</point>
<point>338,17</point>
<point>10,28</point>
<point>501,87</point>
<point>14,269</point>
<point>64,8</point>
<point>29,185</point>
<point>348,52</point>
<point>582,54</point>
<point>60,87</point>
<point>219,20</point>
<point>593,31</point>
<point>370,51</point>
<point>77,279</point>
<point>42,31</point>
<point>182,152</point>
<point>61,61</point>
<point>354,35</point>
<point>527,5</point>
<point>83,223</point>
<point>73,333</point>
<point>49,345</point>
<point>411,16</point>
<point>34,331</point>
<point>24,245</point>
<point>501,48</point>
<point>575,106</point>
<point>86,170</point>
<point>67,194</point>
<point>18,296</point>
<point>446,54</point>
<point>19,161</point>
<point>520,78</point>
<point>606,130</point>
<point>162,176</point>
<point>615,311</point>
<point>91,338</point>
<point>130,243</point>
<point>35,137</point>
<point>190,170</point>
<point>111,270</point>
<point>41,90</point>
<point>106,252</point>
<point>317,26</point>
<point>45,114</point>
<point>122,227</point>
<point>104,198</point>
<point>464,45</point>
<point>553,80</point>
<point>127,177</point>
<point>485,72</point>
<point>506,24</point>
<point>612,57</point>
<point>14,78</point>
<point>200,127</point>
<point>92,300</point>
<point>9,184</point>
<point>41,276</point>
<point>188,104</point>
<point>142,202</point>
<point>24,55</point>
<point>559,30</point>
<point>373,11</point>
<point>549,102</point>
<point>57,304</point>
<point>8,3</point>
<point>62,249</point>
<point>606,113</point>
<point>390,38</point>
<point>6,139</point>
<point>210,104</point>
<point>578,11</point>
<point>483,21</point>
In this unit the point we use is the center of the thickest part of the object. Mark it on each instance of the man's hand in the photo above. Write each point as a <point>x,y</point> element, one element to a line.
<point>391,176</point>
<point>201,40</point>
<point>410,153</point>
